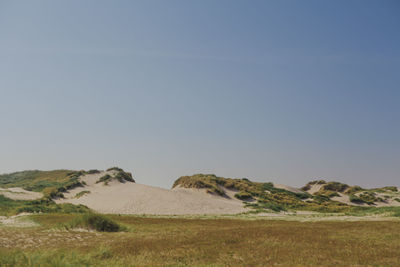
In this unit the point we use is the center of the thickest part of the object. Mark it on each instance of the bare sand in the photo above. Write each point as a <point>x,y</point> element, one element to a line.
<point>314,188</point>
<point>133,198</point>
<point>17,193</point>
<point>346,199</point>
<point>288,188</point>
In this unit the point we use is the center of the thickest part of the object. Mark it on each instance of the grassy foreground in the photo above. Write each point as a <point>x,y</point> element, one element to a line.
<point>201,242</point>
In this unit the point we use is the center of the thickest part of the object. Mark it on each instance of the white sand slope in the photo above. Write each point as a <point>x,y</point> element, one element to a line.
<point>346,200</point>
<point>133,198</point>
<point>315,188</point>
<point>17,193</point>
<point>288,188</point>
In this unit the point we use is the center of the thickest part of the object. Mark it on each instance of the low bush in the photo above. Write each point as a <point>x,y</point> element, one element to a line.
<point>366,197</point>
<point>93,221</point>
<point>354,189</point>
<point>121,176</point>
<point>243,196</point>
<point>105,178</point>
<point>335,187</point>
<point>92,171</point>
<point>391,188</point>
<point>115,169</point>
<point>124,176</point>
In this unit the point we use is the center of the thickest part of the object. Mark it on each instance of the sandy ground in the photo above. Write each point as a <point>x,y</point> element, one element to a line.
<point>289,188</point>
<point>133,198</point>
<point>17,193</point>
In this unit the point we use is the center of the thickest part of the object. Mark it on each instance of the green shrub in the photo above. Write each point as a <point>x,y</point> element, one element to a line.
<point>115,169</point>
<point>391,188</point>
<point>93,171</point>
<point>366,197</point>
<point>354,189</point>
<point>121,176</point>
<point>104,178</point>
<point>355,199</point>
<point>243,196</point>
<point>306,187</point>
<point>309,184</point>
<point>335,186</point>
<point>124,176</point>
<point>96,222</point>
<point>52,192</point>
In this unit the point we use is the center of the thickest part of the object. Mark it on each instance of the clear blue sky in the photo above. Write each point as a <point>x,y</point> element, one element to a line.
<point>284,91</point>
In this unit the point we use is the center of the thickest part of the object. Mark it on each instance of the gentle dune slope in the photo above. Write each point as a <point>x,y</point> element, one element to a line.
<point>17,193</point>
<point>288,188</point>
<point>133,198</point>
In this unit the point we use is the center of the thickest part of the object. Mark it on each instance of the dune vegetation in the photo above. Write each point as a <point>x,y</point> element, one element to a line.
<point>262,197</point>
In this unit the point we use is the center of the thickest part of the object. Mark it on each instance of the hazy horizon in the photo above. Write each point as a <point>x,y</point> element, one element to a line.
<point>281,91</point>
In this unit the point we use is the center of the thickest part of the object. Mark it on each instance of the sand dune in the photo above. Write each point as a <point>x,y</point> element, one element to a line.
<point>133,198</point>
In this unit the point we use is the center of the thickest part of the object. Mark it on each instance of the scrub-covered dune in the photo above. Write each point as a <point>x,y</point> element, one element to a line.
<point>115,191</point>
<point>388,196</point>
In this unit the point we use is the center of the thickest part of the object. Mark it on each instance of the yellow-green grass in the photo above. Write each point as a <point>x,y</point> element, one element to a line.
<point>10,207</point>
<point>35,180</point>
<point>204,242</point>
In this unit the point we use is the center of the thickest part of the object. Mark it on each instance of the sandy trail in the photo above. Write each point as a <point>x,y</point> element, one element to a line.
<point>133,198</point>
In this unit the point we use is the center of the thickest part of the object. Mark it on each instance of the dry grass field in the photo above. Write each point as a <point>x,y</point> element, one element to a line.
<point>203,242</point>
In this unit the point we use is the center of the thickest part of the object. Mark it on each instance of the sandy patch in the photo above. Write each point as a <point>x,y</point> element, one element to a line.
<point>17,193</point>
<point>288,188</point>
<point>346,199</point>
<point>20,220</point>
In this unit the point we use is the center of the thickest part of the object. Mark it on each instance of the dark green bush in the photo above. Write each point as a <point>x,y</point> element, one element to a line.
<point>93,171</point>
<point>391,188</point>
<point>115,169</point>
<point>124,176</point>
<point>96,222</point>
<point>104,178</point>
<point>243,196</point>
<point>335,186</point>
